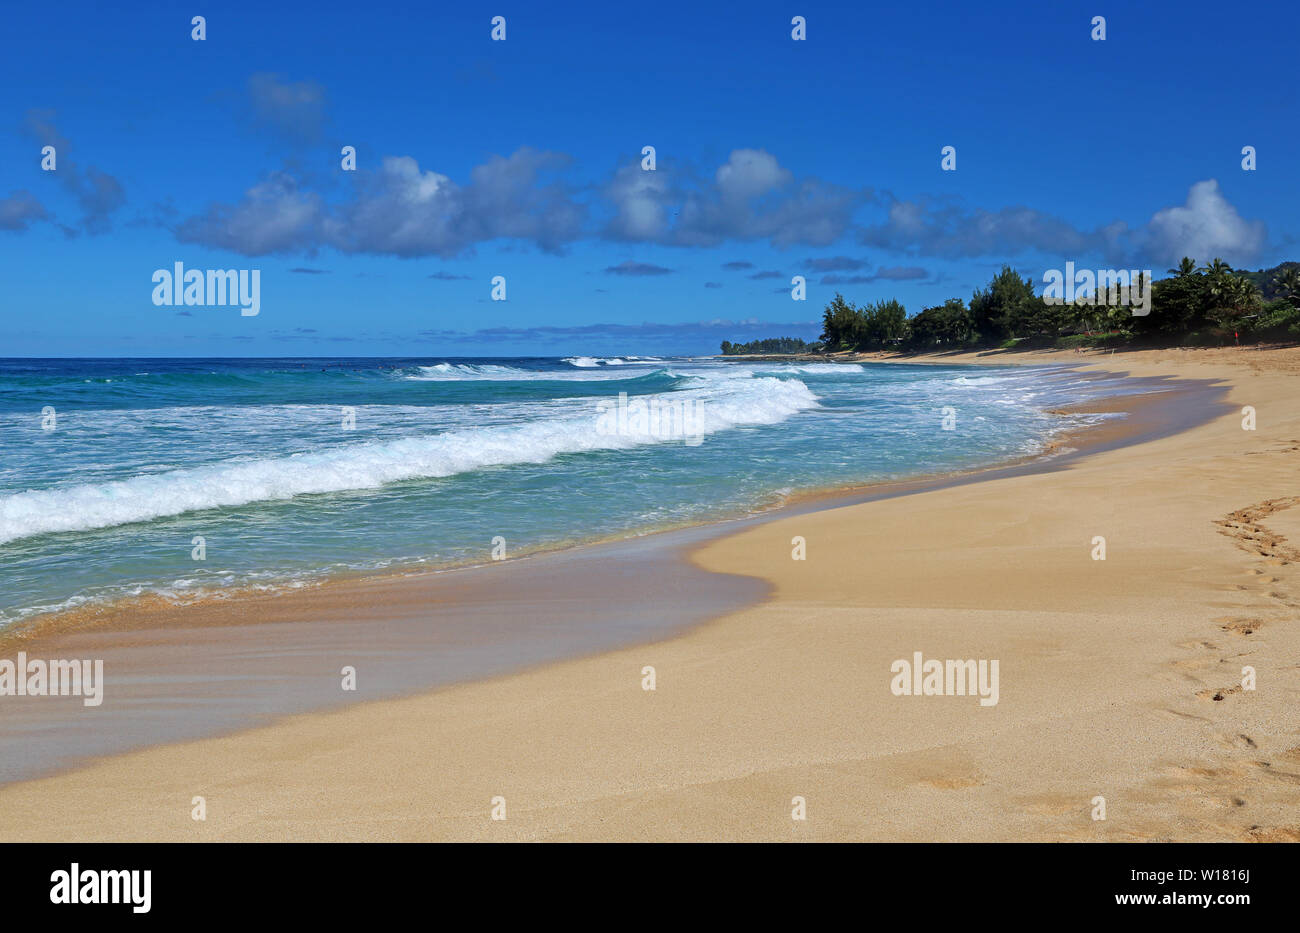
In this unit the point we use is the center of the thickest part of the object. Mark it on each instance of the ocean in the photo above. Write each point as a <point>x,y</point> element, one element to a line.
<point>190,478</point>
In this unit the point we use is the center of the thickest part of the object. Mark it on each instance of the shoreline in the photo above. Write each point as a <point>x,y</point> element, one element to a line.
<point>406,626</point>
<point>197,654</point>
<point>150,610</point>
<point>512,711</point>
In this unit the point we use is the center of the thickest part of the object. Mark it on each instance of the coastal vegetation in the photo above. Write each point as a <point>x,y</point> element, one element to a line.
<point>770,345</point>
<point>1194,305</point>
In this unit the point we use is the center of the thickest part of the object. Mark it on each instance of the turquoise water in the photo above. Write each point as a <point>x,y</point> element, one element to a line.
<point>105,498</point>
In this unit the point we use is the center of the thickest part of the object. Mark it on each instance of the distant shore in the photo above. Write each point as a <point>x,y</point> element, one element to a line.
<point>1110,673</point>
<point>1009,357</point>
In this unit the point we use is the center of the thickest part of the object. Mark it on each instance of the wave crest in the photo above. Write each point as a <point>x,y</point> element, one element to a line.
<point>720,407</point>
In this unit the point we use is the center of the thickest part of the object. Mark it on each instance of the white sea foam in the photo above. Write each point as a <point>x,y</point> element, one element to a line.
<point>816,369</point>
<point>451,372</point>
<point>460,372</point>
<point>721,405</point>
<point>591,362</point>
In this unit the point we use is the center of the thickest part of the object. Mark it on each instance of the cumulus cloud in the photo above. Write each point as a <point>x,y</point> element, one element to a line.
<point>749,173</point>
<point>749,197</point>
<point>274,216</point>
<point>1204,227</point>
<point>754,198</point>
<point>401,210</point>
<point>641,202</point>
<point>936,228</point>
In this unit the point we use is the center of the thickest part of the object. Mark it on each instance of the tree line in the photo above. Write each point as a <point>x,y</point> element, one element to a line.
<point>769,345</point>
<point>1196,305</point>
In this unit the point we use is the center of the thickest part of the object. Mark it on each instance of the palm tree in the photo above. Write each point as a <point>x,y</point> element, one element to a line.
<point>1287,282</point>
<point>1219,279</point>
<point>1242,293</point>
<point>1234,297</point>
<point>1185,268</point>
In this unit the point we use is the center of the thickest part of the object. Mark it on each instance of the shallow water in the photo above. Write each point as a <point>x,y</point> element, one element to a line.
<point>256,458</point>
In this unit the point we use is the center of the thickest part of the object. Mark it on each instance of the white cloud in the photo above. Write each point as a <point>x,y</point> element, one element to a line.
<point>750,197</point>
<point>749,173</point>
<point>639,199</point>
<point>1207,226</point>
<point>273,217</point>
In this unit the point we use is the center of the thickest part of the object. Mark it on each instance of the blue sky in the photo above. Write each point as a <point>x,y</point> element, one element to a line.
<point>522,158</point>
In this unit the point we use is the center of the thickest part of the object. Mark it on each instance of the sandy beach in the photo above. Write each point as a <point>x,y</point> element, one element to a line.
<point>1119,678</point>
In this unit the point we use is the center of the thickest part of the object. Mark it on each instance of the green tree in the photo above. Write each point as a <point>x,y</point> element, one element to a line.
<point>768,345</point>
<point>1236,301</point>
<point>1178,306</point>
<point>843,327</point>
<point>1287,283</point>
<point>885,323</point>
<point>1007,308</point>
<point>947,325</point>
<point>1218,281</point>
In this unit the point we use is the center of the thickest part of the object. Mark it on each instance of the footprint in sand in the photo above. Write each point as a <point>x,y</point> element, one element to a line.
<point>1238,741</point>
<point>1245,528</point>
<point>1220,694</point>
<point>1238,625</point>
